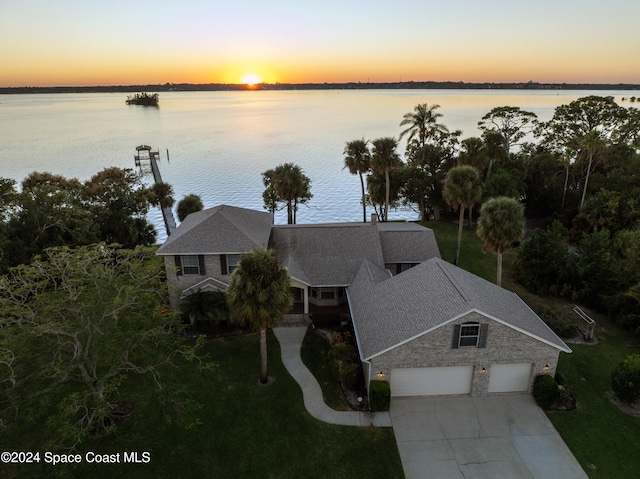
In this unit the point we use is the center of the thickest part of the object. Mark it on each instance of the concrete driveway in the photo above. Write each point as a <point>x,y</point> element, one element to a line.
<point>472,438</point>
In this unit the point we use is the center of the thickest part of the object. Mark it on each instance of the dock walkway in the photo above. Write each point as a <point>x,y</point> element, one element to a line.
<point>154,156</point>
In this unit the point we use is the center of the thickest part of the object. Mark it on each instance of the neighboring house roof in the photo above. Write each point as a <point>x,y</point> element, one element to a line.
<point>223,229</point>
<point>405,242</point>
<point>326,254</point>
<point>388,312</point>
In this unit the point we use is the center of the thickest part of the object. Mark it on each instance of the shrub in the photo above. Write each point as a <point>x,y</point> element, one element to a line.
<point>545,390</point>
<point>343,358</point>
<point>561,326</point>
<point>379,395</point>
<point>560,378</point>
<point>326,320</point>
<point>625,379</point>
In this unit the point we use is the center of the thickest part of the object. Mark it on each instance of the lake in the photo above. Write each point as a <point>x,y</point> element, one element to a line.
<point>219,143</point>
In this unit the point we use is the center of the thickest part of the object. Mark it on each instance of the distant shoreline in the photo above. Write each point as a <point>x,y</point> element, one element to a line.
<point>410,85</point>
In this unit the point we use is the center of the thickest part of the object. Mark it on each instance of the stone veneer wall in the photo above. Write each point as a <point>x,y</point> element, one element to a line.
<point>178,283</point>
<point>504,345</point>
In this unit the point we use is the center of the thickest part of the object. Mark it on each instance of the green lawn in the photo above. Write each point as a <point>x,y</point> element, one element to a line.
<point>604,440</point>
<point>247,431</point>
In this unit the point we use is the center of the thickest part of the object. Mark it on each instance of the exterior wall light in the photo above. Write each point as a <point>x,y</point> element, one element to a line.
<point>380,375</point>
<point>483,370</point>
<point>545,368</point>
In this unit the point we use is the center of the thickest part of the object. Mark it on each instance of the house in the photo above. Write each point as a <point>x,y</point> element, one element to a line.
<point>203,251</point>
<point>321,258</point>
<point>437,329</point>
<point>428,327</point>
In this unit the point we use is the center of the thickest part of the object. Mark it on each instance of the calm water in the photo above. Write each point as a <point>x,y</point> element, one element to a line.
<point>220,142</point>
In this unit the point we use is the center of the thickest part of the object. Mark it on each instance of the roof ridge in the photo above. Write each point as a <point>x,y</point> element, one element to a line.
<point>455,284</point>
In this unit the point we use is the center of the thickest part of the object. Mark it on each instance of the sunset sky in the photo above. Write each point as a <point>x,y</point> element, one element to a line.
<point>124,42</point>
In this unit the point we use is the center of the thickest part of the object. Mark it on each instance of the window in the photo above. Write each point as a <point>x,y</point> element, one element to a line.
<point>327,294</point>
<point>402,267</point>
<point>229,262</point>
<point>232,262</point>
<point>190,265</point>
<point>470,334</point>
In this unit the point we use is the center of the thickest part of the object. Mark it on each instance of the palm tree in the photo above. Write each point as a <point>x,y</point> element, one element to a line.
<point>590,143</point>
<point>288,184</point>
<point>384,159</point>
<point>209,307</point>
<point>501,223</point>
<point>423,122</point>
<point>258,295</point>
<point>189,204</point>
<point>461,190</point>
<point>358,160</point>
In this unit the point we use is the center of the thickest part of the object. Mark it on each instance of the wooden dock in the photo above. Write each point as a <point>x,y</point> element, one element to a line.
<point>144,153</point>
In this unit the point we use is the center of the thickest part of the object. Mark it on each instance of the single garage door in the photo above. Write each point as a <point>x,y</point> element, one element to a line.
<point>431,381</point>
<point>509,377</point>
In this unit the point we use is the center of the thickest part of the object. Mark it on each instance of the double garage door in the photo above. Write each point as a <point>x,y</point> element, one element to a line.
<point>457,380</point>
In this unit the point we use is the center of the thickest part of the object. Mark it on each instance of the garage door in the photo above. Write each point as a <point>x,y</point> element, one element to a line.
<point>509,377</point>
<point>431,381</point>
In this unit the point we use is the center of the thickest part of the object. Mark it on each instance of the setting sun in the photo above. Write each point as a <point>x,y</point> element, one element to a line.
<point>251,79</point>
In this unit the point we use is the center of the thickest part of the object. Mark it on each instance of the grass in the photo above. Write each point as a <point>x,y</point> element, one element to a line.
<point>602,438</point>
<point>264,432</point>
<point>314,355</point>
<point>246,430</point>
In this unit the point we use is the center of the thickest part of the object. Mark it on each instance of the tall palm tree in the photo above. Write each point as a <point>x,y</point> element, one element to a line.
<point>288,184</point>
<point>590,143</point>
<point>462,190</point>
<point>384,159</point>
<point>423,122</point>
<point>258,295</point>
<point>357,160</point>
<point>501,223</point>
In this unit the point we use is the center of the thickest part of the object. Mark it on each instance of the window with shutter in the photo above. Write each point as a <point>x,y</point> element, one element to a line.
<point>190,264</point>
<point>470,334</point>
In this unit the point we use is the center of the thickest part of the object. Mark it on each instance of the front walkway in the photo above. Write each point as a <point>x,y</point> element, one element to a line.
<point>290,344</point>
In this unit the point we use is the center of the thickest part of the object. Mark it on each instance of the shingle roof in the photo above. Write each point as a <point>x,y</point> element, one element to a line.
<point>326,254</point>
<point>406,242</point>
<point>389,312</point>
<point>223,229</point>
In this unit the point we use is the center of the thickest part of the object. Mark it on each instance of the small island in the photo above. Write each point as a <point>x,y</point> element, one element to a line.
<point>145,99</point>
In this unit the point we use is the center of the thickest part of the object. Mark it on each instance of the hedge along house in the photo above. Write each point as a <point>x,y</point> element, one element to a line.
<point>437,329</point>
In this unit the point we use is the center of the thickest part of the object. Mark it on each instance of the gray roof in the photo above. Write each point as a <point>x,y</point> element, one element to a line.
<point>223,229</point>
<point>405,242</point>
<point>389,312</point>
<point>327,254</point>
